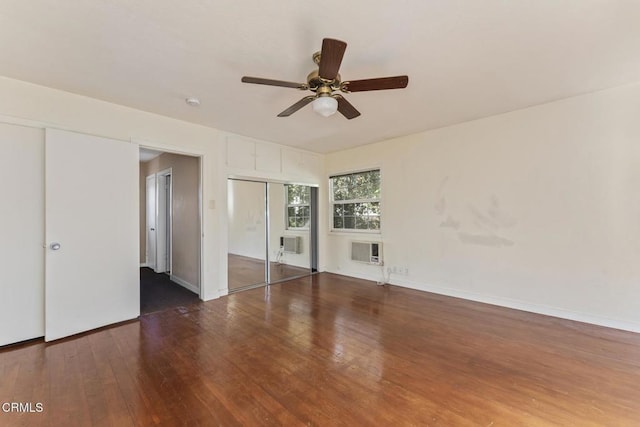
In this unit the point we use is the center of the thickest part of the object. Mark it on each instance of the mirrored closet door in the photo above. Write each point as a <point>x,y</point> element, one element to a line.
<point>247,254</point>
<point>289,231</point>
<point>270,232</point>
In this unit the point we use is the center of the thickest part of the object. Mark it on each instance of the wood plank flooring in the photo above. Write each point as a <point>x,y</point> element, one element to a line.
<point>330,350</point>
<point>244,271</point>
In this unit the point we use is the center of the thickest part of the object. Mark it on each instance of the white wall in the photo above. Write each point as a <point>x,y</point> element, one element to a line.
<point>247,222</point>
<point>39,107</point>
<point>185,212</point>
<point>537,209</point>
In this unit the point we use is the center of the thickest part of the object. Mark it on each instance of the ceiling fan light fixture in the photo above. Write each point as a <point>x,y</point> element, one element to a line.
<point>325,105</point>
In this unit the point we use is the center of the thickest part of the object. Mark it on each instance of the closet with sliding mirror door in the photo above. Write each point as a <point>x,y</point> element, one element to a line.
<point>271,229</point>
<point>247,254</point>
<point>289,231</point>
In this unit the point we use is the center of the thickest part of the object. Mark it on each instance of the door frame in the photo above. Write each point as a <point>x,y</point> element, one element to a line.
<point>164,219</point>
<point>201,157</point>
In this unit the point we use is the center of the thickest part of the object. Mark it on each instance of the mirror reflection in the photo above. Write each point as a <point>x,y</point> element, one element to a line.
<point>269,235</point>
<point>247,206</point>
<point>289,231</point>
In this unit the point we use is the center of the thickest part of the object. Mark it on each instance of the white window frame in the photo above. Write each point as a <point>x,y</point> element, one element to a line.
<point>333,202</point>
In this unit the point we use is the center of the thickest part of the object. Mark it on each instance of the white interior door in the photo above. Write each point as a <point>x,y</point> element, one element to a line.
<point>21,233</point>
<point>92,277</point>
<point>151,221</point>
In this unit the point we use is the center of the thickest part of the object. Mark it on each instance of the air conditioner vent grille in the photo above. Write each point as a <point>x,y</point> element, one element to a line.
<point>367,252</point>
<point>291,244</point>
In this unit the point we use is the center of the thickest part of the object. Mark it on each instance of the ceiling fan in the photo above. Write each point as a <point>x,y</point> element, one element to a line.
<point>326,80</point>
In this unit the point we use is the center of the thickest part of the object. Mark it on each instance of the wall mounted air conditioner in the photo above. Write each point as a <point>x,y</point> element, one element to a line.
<point>367,252</point>
<point>291,244</point>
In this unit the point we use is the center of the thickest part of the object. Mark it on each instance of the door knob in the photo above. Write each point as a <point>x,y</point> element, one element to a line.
<point>55,246</point>
<point>152,229</point>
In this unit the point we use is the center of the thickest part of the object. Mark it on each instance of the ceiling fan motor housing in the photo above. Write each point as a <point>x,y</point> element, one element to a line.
<point>316,82</point>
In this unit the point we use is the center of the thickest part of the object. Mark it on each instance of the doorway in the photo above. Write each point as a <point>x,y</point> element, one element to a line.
<point>159,201</point>
<point>170,233</point>
<point>271,232</point>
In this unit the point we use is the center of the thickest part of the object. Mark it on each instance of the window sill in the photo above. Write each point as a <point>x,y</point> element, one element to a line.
<point>354,232</point>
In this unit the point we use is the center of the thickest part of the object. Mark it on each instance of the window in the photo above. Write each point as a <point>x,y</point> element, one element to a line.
<point>298,197</point>
<point>355,200</point>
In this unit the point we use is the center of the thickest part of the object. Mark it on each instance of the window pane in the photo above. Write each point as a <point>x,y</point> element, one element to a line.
<point>363,215</point>
<point>341,188</point>
<point>349,222</point>
<point>360,189</point>
<point>349,208</point>
<point>362,223</point>
<point>352,183</point>
<point>298,210</point>
<point>297,194</point>
<point>375,183</point>
<point>337,222</point>
<point>374,223</point>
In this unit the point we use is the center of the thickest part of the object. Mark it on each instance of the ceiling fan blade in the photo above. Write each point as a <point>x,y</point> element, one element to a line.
<point>345,108</point>
<point>298,105</point>
<point>331,58</point>
<point>270,82</point>
<point>397,82</point>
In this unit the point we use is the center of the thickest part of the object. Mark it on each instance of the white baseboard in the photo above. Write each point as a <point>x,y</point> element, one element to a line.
<point>363,276</point>
<point>144,264</point>
<point>504,302</point>
<point>193,288</point>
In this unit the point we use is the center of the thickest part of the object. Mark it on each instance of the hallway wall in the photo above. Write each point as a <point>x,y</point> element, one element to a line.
<point>185,210</point>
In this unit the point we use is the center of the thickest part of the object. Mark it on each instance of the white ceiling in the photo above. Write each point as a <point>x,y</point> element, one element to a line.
<point>465,59</point>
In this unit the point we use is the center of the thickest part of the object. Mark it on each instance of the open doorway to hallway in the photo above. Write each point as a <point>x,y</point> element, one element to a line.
<point>170,235</point>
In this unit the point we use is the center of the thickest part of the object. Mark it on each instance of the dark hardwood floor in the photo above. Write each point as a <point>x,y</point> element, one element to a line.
<point>330,350</point>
